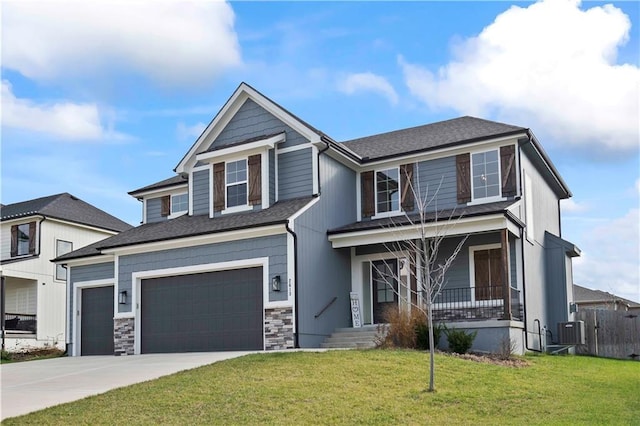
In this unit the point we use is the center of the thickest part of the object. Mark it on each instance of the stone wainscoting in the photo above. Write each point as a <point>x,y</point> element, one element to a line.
<point>123,336</point>
<point>278,328</point>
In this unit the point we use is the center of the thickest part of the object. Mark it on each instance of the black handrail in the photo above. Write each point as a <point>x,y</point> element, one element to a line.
<point>326,307</point>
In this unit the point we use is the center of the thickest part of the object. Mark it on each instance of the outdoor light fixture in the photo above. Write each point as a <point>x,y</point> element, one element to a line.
<point>275,283</point>
<point>122,297</point>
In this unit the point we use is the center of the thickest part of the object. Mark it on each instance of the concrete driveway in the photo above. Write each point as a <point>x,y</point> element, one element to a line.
<point>34,385</point>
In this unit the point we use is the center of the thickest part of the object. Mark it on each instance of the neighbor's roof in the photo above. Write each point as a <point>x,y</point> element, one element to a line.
<point>166,183</point>
<point>463,212</point>
<point>436,135</point>
<point>190,226</point>
<point>64,207</point>
<point>585,295</point>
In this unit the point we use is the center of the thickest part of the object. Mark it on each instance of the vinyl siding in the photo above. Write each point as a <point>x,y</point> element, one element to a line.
<point>275,247</point>
<point>437,178</point>
<point>324,272</point>
<point>201,192</point>
<point>295,175</point>
<point>154,208</point>
<point>252,121</point>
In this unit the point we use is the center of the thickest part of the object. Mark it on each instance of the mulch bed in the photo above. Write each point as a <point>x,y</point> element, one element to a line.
<point>492,359</point>
<point>35,354</point>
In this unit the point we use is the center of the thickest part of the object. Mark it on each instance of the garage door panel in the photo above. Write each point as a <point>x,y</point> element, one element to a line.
<point>96,323</point>
<point>202,312</point>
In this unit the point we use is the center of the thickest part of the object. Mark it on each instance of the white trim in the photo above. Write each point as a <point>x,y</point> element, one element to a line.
<point>83,261</point>
<point>78,286</point>
<point>190,194</point>
<point>472,270</point>
<point>296,148</point>
<point>315,160</point>
<point>375,194</point>
<point>462,226</point>
<point>264,171</point>
<point>494,198</point>
<point>144,211</point>
<point>167,190</point>
<point>359,197</point>
<point>211,191</point>
<point>291,274</point>
<point>137,277</point>
<point>233,209</point>
<point>237,209</point>
<point>199,240</point>
<point>260,145</point>
<point>300,212</point>
<point>519,272</point>
<point>181,212</point>
<point>276,172</point>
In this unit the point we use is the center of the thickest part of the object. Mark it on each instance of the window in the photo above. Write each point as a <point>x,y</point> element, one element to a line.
<point>485,174</point>
<point>62,247</point>
<point>236,183</point>
<point>23,239</point>
<point>179,203</point>
<point>387,190</point>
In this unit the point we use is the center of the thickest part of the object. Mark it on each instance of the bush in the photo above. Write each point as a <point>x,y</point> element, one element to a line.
<point>422,335</point>
<point>405,329</point>
<point>459,340</point>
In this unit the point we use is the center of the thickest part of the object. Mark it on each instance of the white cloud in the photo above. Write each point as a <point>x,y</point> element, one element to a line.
<point>368,82</point>
<point>611,257</point>
<point>549,66</point>
<point>570,206</point>
<point>63,120</point>
<point>174,43</point>
<point>189,133</point>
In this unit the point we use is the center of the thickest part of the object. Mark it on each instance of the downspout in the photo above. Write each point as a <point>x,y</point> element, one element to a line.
<point>295,282</point>
<point>326,148</point>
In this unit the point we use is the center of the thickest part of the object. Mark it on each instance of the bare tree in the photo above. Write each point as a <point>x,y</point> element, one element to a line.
<point>428,264</point>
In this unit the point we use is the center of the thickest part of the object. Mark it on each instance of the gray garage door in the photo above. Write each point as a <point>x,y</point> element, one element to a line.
<point>96,325</point>
<point>213,311</point>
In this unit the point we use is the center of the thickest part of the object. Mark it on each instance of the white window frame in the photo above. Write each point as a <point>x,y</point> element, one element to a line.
<point>58,267</point>
<point>179,213</point>
<point>390,213</point>
<point>240,207</point>
<point>483,200</point>
<point>18,253</point>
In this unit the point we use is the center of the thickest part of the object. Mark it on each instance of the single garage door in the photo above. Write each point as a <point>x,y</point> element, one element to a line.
<point>213,311</point>
<point>96,323</point>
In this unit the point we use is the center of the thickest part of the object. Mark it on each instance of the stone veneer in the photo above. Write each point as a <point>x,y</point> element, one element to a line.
<point>123,336</point>
<point>278,328</point>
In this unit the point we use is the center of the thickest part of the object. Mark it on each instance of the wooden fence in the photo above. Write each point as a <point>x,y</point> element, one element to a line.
<point>610,334</point>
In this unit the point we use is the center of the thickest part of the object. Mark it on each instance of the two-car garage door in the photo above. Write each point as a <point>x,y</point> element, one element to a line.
<point>212,311</point>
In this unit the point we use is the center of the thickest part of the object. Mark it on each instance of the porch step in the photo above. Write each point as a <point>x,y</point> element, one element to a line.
<point>352,338</point>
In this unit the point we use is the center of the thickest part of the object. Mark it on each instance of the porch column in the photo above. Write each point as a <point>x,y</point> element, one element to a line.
<point>506,287</point>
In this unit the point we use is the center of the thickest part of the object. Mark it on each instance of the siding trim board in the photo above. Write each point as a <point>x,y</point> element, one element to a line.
<point>78,286</point>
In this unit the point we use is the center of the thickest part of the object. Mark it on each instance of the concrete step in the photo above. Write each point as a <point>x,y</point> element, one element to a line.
<point>363,337</point>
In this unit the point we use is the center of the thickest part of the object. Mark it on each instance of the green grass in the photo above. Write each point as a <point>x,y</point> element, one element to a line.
<point>369,387</point>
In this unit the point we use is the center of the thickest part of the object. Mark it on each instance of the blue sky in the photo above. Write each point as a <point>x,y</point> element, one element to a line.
<point>102,98</point>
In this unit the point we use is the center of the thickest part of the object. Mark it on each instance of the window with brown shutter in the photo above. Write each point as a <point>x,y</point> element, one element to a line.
<point>368,201</point>
<point>463,178</point>
<point>406,182</point>
<point>23,239</point>
<point>14,240</point>
<point>255,179</point>
<point>218,187</point>
<point>508,170</point>
<point>165,206</point>
<point>32,237</point>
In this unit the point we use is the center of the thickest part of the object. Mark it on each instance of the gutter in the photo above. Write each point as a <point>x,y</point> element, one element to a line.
<point>295,283</point>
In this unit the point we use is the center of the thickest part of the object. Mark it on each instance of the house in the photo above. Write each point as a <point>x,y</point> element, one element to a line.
<point>34,289</point>
<point>586,298</point>
<point>268,227</point>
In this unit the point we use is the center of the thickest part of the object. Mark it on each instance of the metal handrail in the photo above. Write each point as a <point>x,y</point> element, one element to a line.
<point>326,307</point>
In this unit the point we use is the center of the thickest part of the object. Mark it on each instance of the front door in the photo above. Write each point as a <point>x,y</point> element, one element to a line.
<point>384,287</point>
<point>488,274</point>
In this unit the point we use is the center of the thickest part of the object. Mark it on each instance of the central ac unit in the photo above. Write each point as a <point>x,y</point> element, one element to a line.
<point>571,333</point>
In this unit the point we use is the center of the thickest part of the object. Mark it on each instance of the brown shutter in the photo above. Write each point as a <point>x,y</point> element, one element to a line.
<point>406,182</point>
<point>368,199</point>
<point>218,187</point>
<point>14,240</point>
<point>463,177</point>
<point>32,237</point>
<point>508,170</point>
<point>255,180</point>
<point>165,205</point>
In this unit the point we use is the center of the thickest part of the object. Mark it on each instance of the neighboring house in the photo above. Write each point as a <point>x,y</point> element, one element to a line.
<point>33,233</point>
<point>269,225</point>
<point>585,298</point>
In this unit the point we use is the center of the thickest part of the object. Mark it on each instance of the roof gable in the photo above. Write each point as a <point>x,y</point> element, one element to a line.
<point>233,106</point>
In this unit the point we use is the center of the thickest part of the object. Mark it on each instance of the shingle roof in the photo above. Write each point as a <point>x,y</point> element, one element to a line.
<point>436,135</point>
<point>583,294</point>
<point>172,181</point>
<point>190,226</point>
<point>469,211</point>
<point>65,207</point>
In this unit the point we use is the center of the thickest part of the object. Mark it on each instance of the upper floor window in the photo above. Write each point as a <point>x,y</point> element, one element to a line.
<point>236,183</point>
<point>486,174</point>
<point>23,239</point>
<point>62,247</point>
<point>387,190</point>
<point>179,203</point>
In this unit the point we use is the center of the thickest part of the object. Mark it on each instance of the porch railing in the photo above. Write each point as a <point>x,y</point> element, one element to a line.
<point>475,303</point>
<point>20,322</point>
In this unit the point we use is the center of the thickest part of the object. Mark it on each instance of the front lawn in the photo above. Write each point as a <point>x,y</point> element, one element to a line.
<point>369,387</point>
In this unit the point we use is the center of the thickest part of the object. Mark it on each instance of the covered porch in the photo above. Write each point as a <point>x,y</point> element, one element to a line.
<point>19,307</point>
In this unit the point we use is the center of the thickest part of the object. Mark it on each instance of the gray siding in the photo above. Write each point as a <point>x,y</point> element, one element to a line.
<point>558,283</point>
<point>154,208</point>
<point>99,271</point>
<point>437,177</point>
<point>272,176</point>
<point>201,192</point>
<point>275,247</point>
<point>252,121</point>
<point>324,272</point>
<point>295,175</point>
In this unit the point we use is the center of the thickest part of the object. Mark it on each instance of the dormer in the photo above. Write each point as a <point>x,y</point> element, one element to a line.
<point>164,200</point>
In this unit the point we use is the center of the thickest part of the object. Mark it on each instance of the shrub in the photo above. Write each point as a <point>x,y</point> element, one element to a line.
<point>405,329</point>
<point>506,348</point>
<point>459,340</point>
<point>422,335</point>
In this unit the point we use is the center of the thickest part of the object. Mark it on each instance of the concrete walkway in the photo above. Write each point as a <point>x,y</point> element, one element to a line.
<point>34,385</point>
